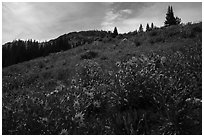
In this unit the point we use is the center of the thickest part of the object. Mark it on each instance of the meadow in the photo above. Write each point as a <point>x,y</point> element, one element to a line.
<point>144,84</point>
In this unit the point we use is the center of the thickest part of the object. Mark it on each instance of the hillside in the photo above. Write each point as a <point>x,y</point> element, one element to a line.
<point>144,83</point>
<point>19,51</point>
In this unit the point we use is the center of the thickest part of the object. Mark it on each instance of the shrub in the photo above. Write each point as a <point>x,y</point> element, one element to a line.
<point>156,39</point>
<point>153,33</point>
<point>190,33</point>
<point>62,74</point>
<point>172,31</point>
<point>41,64</point>
<point>137,42</point>
<point>104,58</point>
<point>151,41</point>
<point>89,55</point>
<point>197,29</point>
<point>46,75</point>
<point>159,39</point>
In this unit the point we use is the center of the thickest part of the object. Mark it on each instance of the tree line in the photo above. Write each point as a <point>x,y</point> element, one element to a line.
<point>19,50</point>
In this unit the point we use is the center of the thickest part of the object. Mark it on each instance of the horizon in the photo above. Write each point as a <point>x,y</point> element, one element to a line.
<point>45,21</point>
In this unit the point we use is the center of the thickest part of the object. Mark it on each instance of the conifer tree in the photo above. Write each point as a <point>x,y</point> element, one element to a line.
<point>115,32</point>
<point>140,28</point>
<point>152,26</point>
<point>147,27</point>
<point>170,19</point>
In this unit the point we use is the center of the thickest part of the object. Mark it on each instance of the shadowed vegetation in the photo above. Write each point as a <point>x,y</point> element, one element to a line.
<point>136,83</point>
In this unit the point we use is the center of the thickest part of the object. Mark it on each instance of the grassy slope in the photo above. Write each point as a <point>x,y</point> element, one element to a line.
<point>124,89</point>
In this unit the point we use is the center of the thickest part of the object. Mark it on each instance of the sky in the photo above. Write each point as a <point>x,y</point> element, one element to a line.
<point>47,20</point>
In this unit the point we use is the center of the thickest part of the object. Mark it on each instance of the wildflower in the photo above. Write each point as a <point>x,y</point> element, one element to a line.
<point>144,58</point>
<point>79,118</point>
<point>55,91</point>
<point>134,59</point>
<point>92,89</point>
<point>60,87</point>
<point>112,82</point>
<point>130,62</point>
<point>64,132</point>
<point>44,119</point>
<point>163,60</point>
<point>118,63</point>
<point>76,104</point>
<point>120,71</point>
<point>90,94</point>
<point>73,81</point>
<point>194,100</point>
<point>125,100</point>
<point>107,127</point>
<point>96,103</point>
<point>110,73</point>
<point>197,100</point>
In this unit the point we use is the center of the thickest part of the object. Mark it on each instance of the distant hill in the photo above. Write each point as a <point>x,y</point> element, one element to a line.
<point>19,51</point>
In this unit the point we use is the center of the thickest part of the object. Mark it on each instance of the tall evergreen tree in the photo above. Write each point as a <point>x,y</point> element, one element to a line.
<point>147,27</point>
<point>170,19</point>
<point>152,26</point>
<point>115,32</point>
<point>140,28</point>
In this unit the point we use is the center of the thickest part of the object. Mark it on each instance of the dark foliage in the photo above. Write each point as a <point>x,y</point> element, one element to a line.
<point>140,28</point>
<point>137,42</point>
<point>170,19</point>
<point>19,51</point>
<point>153,33</point>
<point>147,27</point>
<point>89,55</point>
<point>115,32</point>
<point>152,26</point>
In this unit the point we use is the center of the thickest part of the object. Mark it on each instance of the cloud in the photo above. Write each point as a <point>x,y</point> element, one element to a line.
<point>128,11</point>
<point>112,18</point>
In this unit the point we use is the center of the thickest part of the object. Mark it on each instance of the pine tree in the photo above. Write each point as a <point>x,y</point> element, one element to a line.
<point>147,27</point>
<point>178,20</point>
<point>152,26</point>
<point>140,28</point>
<point>115,32</point>
<point>170,19</point>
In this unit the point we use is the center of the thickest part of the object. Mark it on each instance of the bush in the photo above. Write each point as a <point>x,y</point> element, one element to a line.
<point>46,75</point>
<point>41,64</point>
<point>137,42</point>
<point>89,55</point>
<point>62,74</point>
<point>153,33</point>
<point>104,58</point>
<point>151,41</point>
<point>191,33</point>
<point>172,31</point>
<point>197,29</point>
<point>159,39</point>
<point>156,39</point>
